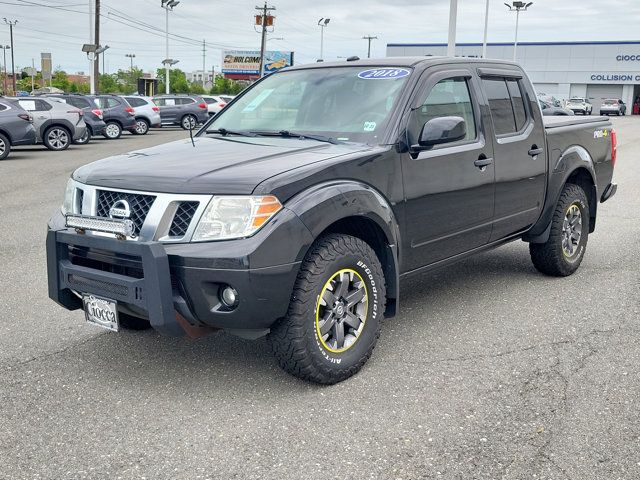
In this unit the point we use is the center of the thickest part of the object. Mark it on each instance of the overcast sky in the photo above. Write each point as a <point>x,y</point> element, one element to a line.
<point>61,27</point>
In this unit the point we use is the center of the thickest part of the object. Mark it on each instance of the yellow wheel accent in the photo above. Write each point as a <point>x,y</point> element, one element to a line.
<point>341,311</point>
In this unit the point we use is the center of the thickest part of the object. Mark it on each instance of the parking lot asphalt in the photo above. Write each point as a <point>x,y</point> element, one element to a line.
<point>491,370</point>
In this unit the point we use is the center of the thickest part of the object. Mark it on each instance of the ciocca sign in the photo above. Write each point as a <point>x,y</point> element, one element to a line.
<point>628,58</point>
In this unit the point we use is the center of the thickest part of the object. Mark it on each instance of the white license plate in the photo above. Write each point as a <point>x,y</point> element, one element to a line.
<point>101,312</point>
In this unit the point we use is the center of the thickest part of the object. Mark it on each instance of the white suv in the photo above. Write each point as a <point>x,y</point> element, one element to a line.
<point>581,105</point>
<point>216,103</point>
<point>146,112</point>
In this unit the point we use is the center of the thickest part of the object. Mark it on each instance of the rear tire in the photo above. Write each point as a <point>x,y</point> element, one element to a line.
<point>142,126</point>
<point>112,131</point>
<point>189,122</point>
<point>57,138</point>
<point>5,147</point>
<point>333,322</point>
<point>563,252</point>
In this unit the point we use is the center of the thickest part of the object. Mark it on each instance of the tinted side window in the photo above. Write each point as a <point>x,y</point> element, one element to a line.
<point>519,110</point>
<point>112,102</point>
<point>500,105</point>
<point>135,102</point>
<point>2,107</point>
<point>159,101</point>
<point>78,102</point>
<point>184,101</point>
<point>449,97</point>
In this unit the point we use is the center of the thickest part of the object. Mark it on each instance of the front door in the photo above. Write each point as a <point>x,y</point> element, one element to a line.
<point>519,152</point>
<point>449,189</point>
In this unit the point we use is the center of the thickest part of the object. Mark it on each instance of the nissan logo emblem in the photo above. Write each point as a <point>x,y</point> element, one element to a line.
<point>120,209</point>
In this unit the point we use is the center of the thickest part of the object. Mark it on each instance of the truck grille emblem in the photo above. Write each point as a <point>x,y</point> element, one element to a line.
<point>120,209</point>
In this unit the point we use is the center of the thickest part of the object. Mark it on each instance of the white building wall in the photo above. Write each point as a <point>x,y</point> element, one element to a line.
<point>563,69</point>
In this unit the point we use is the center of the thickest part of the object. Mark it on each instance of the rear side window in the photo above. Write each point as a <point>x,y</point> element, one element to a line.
<point>112,102</point>
<point>184,101</point>
<point>210,100</point>
<point>519,110</point>
<point>506,104</point>
<point>2,107</point>
<point>135,102</point>
<point>78,102</point>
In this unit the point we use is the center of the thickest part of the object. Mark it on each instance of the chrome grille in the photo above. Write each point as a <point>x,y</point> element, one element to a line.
<point>138,203</point>
<point>182,218</point>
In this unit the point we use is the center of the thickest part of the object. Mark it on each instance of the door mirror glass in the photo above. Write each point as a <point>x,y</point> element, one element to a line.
<point>442,130</point>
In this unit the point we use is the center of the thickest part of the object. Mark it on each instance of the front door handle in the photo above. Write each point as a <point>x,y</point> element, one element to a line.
<point>483,162</point>
<point>535,151</point>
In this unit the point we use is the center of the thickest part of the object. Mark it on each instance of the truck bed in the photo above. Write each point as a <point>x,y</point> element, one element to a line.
<point>556,121</point>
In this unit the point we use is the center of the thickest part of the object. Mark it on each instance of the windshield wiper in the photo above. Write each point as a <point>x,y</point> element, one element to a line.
<point>225,131</point>
<point>309,136</point>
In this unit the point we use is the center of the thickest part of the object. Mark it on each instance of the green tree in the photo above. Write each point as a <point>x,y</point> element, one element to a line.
<point>108,84</point>
<point>60,80</point>
<point>177,81</point>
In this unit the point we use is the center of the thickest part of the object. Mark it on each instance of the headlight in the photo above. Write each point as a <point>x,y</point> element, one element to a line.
<point>235,217</point>
<point>69,196</point>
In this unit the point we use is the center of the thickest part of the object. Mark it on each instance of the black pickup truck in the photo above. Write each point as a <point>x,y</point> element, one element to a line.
<point>298,210</point>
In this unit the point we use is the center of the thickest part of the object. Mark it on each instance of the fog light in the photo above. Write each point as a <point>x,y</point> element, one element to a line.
<point>229,296</point>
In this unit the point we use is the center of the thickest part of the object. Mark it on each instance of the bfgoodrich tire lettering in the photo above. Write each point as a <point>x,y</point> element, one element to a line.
<point>563,252</point>
<point>296,340</point>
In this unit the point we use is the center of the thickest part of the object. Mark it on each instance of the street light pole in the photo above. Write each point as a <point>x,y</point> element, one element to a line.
<point>12,23</point>
<point>453,19</point>
<point>323,22</point>
<point>4,63</point>
<point>517,7</point>
<point>167,5</point>
<point>486,30</point>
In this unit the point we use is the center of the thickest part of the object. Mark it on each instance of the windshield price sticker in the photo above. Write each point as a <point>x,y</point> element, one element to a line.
<point>383,73</point>
<point>255,103</point>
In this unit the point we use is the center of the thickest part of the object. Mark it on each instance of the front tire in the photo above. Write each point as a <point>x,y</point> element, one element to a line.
<point>5,147</point>
<point>83,140</point>
<point>57,138</point>
<point>333,322</point>
<point>563,252</point>
<point>112,131</point>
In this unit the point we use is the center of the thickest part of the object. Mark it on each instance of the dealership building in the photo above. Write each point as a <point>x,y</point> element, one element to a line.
<point>596,70</point>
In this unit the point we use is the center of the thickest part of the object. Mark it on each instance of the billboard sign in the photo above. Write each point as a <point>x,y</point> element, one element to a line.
<point>45,66</point>
<point>247,62</point>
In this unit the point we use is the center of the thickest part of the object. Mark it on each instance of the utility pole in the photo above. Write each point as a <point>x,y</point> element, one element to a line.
<point>486,30</point>
<point>92,87</point>
<point>265,22</point>
<point>204,63</point>
<point>33,75</point>
<point>12,23</point>
<point>96,62</point>
<point>369,38</point>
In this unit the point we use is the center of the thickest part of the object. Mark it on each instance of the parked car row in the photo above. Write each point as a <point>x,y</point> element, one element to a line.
<point>59,120</point>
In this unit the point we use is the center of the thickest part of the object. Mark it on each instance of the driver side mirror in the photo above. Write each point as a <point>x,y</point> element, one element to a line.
<point>440,130</point>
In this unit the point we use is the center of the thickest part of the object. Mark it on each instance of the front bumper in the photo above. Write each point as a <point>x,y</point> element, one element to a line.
<point>163,282</point>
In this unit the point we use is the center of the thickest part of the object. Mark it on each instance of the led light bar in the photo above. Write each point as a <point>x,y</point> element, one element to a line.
<point>123,228</point>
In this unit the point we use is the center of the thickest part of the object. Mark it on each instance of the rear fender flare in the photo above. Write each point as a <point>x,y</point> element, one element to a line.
<point>572,159</point>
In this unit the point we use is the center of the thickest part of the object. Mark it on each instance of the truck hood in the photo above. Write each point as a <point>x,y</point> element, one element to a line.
<point>216,165</point>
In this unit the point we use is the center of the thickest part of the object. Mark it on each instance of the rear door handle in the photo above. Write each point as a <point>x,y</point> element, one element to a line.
<point>534,152</point>
<point>483,162</point>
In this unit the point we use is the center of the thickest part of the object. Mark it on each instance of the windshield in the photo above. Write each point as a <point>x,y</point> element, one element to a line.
<point>343,103</point>
<point>610,102</point>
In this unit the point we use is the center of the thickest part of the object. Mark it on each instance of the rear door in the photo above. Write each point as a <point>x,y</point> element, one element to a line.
<point>448,194</point>
<point>40,111</point>
<point>519,150</point>
<point>168,109</point>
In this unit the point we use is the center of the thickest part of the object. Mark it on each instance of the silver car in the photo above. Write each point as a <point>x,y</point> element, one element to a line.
<point>57,124</point>
<point>146,112</point>
<point>611,106</point>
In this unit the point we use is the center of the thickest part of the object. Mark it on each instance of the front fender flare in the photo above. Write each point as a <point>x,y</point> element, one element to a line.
<point>324,204</point>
